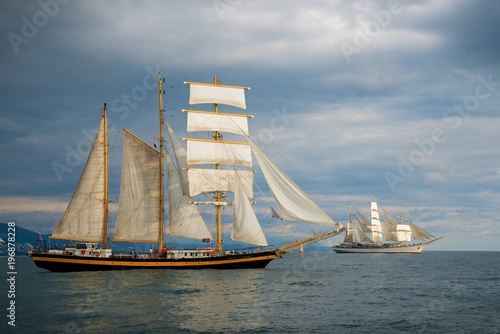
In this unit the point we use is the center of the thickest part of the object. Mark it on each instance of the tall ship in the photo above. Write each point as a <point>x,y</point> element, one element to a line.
<point>389,236</point>
<point>213,166</point>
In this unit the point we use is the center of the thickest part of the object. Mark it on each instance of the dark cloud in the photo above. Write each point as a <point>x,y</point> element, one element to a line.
<point>339,123</point>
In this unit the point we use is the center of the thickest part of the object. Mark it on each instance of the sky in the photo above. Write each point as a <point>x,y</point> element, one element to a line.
<point>396,101</point>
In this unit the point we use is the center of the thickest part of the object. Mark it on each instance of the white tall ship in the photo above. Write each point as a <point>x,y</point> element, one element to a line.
<point>389,236</point>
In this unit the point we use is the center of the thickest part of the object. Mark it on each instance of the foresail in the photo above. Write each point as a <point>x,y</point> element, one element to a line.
<point>210,93</point>
<point>138,210</point>
<point>84,216</point>
<point>185,219</point>
<point>293,203</point>
<point>246,227</point>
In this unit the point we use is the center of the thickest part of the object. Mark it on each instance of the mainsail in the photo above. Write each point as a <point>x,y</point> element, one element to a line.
<point>138,217</point>
<point>86,213</point>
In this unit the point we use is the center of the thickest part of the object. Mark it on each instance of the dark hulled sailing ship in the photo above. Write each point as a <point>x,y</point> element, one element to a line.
<point>141,205</point>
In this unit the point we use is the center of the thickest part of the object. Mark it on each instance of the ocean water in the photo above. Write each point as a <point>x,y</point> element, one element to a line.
<point>322,292</point>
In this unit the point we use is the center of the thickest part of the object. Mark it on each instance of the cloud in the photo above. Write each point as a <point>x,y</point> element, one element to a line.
<point>336,126</point>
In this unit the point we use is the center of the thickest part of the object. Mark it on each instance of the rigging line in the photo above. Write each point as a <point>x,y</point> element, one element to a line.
<point>173,86</point>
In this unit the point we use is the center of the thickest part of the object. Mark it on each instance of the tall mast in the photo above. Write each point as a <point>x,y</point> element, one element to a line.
<point>105,199</point>
<point>218,195</point>
<point>160,106</point>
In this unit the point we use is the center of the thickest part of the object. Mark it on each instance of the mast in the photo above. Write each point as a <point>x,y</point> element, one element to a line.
<point>160,107</point>
<point>218,195</point>
<point>105,199</point>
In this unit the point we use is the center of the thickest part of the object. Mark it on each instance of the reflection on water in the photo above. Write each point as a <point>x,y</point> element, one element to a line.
<point>320,293</point>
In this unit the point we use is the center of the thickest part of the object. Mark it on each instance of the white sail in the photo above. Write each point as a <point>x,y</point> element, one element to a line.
<point>293,203</point>
<point>246,227</point>
<point>180,158</point>
<point>375,219</point>
<point>375,224</point>
<point>211,152</point>
<point>391,221</point>
<point>138,217</point>
<point>419,233</point>
<point>364,223</point>
<point>210,121</point>
<point>362,236</point>
<point>185,219</point>
<point>403,233</point>
<point>209,180</point>
<point>351,235</point>
<point>83,219</point>
<point>387,233</point>
<point>210,93</point>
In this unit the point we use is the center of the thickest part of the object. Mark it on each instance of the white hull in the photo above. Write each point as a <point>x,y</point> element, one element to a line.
<point>386,248</point>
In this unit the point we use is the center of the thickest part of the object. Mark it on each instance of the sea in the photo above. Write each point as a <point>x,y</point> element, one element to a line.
<point>320,292</point>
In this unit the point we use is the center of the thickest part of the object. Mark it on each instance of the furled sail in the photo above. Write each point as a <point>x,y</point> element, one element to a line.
<point>185,219</point>
<point>209,180</point>
<point>210,121</point>
<point>138,217</point>
<point>246,227</point>
<point>212,152</point>
<point>419,233</point>
<point>84,216</point>
<point>293,203</point>
<point>211,93</point>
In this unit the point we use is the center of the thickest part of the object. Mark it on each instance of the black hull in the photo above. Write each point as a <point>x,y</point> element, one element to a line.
<point>63,263</point>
